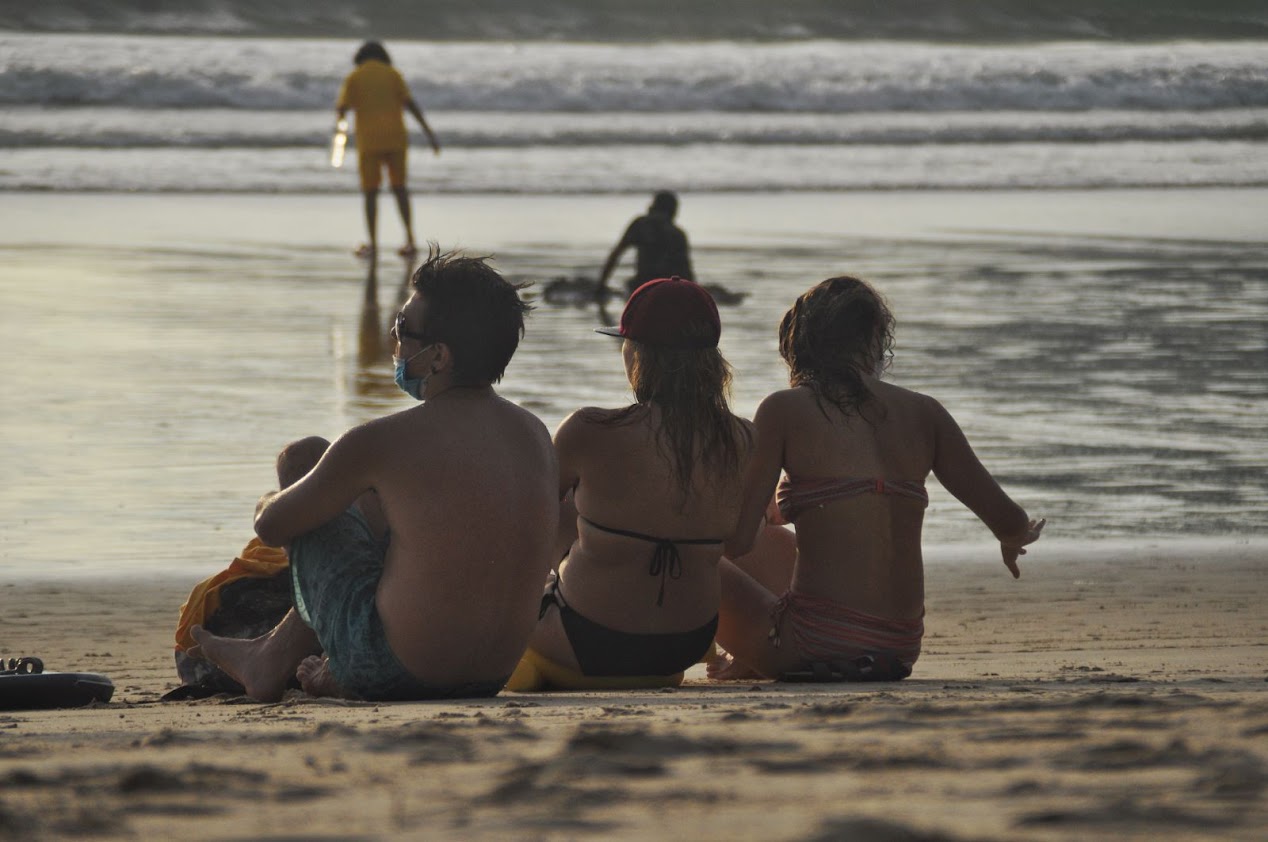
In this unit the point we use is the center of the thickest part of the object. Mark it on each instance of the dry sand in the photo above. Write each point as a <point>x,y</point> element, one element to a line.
<point>1107,694</point>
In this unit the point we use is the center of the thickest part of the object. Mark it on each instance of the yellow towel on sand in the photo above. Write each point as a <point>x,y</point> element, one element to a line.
<point>536,672</point>
<point>256,561</point>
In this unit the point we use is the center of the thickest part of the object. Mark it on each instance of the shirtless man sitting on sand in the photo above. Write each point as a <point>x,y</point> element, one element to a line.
<point>419,541</point>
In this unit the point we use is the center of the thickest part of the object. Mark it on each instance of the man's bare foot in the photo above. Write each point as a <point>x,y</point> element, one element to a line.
<point>262,665</point>
<point>246,661</point>
<point>726,668</point>
<point>316,678</point>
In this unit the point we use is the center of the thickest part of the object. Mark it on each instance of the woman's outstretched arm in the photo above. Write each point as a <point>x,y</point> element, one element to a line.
<point>960,471</point>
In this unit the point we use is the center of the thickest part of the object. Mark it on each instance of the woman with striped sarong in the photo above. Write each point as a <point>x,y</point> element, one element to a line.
<point>854,452</point>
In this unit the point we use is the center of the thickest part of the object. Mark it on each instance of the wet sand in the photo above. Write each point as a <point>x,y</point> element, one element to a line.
<point>157,350</point>
<point>1110,693</point>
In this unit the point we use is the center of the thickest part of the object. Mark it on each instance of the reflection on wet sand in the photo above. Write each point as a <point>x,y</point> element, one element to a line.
<point>373,376</point>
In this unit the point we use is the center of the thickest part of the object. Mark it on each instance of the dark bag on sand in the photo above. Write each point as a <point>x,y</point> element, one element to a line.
<point>249,607</point>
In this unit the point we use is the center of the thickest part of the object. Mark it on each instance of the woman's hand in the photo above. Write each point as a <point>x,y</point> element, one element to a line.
<point>1012,546</point>
<point>773,516</point>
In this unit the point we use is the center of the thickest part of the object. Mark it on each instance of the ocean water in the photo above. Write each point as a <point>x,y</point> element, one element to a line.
<point>125,113</point>
<point>1070,232</point>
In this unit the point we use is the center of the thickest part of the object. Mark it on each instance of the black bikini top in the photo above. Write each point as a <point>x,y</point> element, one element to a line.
<point>665,559</point>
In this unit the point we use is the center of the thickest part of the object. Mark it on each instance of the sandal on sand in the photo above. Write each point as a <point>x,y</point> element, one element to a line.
<point>364,250</point>
<point>24,685</point>
<point>408,250</point>
<point>874,667</point>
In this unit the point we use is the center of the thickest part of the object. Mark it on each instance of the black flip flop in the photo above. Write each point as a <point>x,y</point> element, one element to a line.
<point>24,685</point>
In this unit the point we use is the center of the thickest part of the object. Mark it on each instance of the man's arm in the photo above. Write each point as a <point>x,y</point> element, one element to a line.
<point>343,102</point>
<point>413,108</point>
<point>627,240</point>
<point>341,475</point>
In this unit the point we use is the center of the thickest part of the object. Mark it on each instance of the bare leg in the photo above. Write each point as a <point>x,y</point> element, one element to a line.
<point>372,219</point>
<point>263,665</point>
<point>772,558</point>
<point>402,204</point>
<point>744,627</point>
<point>317,680</point>
<point>722,666</point>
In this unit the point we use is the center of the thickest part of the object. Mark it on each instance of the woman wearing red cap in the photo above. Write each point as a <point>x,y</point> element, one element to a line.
<point>855,452</point>
<point>656,486</point>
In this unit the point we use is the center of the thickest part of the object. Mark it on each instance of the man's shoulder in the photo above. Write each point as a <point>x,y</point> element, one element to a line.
<point>491,412</point>
<point>520,414</point>
<point>371,69</point>
<point>378,430</point>
<point>642,223</point>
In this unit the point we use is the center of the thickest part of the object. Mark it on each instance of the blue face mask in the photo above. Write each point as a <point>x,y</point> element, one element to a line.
<point>412,386</point>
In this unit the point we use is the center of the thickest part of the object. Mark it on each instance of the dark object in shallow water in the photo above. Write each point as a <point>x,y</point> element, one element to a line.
<point>580,291</point>
<point>25,686</point>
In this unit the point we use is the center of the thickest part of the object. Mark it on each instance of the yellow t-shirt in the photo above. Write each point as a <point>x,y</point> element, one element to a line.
<point>377,93</point>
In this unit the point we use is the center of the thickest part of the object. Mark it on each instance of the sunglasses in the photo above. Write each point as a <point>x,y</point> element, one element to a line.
<point>399,331</point>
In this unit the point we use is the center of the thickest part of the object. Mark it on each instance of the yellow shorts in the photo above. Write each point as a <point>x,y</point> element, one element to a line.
<point>370,163</point>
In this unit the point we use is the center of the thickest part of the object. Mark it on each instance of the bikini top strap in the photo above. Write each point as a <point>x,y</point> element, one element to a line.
<point>666,561</point>
<point>651,539</point>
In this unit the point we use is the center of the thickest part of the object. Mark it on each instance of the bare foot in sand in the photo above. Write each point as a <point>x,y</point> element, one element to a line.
<point>725,668</point>
<point>262,665</point>
<point>316,678</point>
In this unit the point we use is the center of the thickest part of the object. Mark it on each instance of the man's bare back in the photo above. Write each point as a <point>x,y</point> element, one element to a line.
<point>455,514</point>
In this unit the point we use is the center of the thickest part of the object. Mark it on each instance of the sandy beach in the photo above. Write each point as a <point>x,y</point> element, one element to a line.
<point>1113,694</point>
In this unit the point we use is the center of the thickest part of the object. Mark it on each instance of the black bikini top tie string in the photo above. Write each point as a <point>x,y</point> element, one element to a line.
<point>666,562</point>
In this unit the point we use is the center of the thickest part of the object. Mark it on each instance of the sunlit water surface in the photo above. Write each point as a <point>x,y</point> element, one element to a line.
<point>1115,385</point>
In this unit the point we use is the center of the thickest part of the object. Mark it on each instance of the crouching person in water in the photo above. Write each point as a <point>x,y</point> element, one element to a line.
<point>855,451</point>
<point>419,541</point>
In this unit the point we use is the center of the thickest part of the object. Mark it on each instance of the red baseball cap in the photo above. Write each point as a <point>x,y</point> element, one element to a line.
<point>671,312</point>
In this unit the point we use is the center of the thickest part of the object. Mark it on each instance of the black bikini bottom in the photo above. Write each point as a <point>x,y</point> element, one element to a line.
<point>603,651</point>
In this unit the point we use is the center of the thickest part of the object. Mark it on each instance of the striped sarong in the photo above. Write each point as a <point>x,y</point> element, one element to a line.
<point>828,632</point>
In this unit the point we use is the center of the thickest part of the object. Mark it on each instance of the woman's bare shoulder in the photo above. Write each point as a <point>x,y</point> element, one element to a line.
<point>591,421</point>
<point>918,401</point>
<point>597,416</point>
<point>785,400</point>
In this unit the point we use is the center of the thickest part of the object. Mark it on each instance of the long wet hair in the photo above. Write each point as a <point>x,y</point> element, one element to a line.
<point>690,387</point>
<point>835,334</point>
